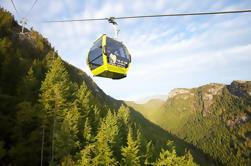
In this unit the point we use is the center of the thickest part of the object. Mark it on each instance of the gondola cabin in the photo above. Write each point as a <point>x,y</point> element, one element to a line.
<point>109,58</point>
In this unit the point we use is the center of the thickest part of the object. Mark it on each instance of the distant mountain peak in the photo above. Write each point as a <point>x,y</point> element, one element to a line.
<point>155,97</point>
<point>241,81</point>
<point>178,91</point>
<point>240,88</point>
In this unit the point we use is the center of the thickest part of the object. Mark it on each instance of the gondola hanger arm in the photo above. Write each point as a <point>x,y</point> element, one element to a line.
<point>115,26</point>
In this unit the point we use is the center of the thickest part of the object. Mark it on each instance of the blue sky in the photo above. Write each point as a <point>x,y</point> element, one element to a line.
<point>167,53</point>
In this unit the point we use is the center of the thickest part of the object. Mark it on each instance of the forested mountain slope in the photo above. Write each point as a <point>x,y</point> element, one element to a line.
<point>52,113</point>
<point>215,118</point>
<point>148,108</point>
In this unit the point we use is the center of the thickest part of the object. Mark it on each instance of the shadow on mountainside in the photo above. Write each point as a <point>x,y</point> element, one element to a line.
<point>159,136</point>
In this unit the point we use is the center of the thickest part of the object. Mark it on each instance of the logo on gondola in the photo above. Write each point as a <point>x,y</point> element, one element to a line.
<point>113,58</point>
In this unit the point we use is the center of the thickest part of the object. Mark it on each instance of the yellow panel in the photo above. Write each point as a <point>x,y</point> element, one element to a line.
<point>117,69</point>
<point>99,70</point>
<point>111,68</point>
<point>103,49</point>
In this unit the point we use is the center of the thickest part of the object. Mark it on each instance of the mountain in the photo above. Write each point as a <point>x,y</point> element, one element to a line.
<point>148,108</point>
<point>155,97</point>
<point>215,118</point>
<point>52,113</point>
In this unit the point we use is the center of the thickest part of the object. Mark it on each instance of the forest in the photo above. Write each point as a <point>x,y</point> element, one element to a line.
<point>54,114</point>
<point>214,118</point>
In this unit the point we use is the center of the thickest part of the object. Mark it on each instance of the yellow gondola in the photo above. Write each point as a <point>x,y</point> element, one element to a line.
<point>108,58</point>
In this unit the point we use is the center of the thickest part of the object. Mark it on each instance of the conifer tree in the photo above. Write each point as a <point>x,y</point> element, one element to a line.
<point>29,86</point>
<point>26,133</point>
<point>123,123</point>
<point>66,140</point>
<point>130,152</point>
<point>11,71</point>
<point>103,153</point>
<point>67,161</point>
<point>84,97</point>
<point>85,105</point>
<point>87,132</point>
<point>188,158</point>
<point>86,158</point>
<point>56,89</point>
<point>169,157</point>
<point>56,97</point>
<point>123,114</point>
<point>149,153</point>
<point>110,126</point>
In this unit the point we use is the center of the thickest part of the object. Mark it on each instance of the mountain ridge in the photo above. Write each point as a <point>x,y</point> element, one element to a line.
<point>195,114</point>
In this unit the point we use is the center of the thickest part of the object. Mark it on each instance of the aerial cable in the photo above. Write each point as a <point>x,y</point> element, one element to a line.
<point>152,16</point>
<point>14,6</point>
<point>23,21</point>
<point>34,3</point>
<point>187,14</point>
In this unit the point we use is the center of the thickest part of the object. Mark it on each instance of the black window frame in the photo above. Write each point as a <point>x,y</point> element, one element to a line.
<point>96,47</point>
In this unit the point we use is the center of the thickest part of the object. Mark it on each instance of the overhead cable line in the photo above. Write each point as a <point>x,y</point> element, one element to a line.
<point>153,16</point>
<point>34,3</point>
<point>14,6</point>
<point>24,19</point>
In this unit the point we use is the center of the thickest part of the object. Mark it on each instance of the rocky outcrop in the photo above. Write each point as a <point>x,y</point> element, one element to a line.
<point>238,119</point>
<point>179,91</point>
<point>240,88</point>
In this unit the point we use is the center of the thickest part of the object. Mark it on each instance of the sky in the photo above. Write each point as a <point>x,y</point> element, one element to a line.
<point>167,53</point>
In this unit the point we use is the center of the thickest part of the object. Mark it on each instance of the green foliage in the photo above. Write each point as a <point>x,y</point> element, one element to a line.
<point>28,88</point>
<point>87,132</point>
<point>67,161</point>
<point>66,140</point>
<point>85,153</point>
<point>130,152</point>
<point>168,157</point>
<point>25,133</point>
<point>56,88</point>
<point>213,118</point>
<point>2,150</point>
<point>6,22</point>
<point>149,153</point>
<point>103,152</point>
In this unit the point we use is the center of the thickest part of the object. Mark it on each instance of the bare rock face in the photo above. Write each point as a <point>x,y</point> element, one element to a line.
<point>179,91</point>
<point>208,95</point>
<point>215,89</point>
<point>240,88</point>
<point>238,119</point>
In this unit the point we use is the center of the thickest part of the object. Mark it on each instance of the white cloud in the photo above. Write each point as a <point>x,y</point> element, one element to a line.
<point>55,7</point>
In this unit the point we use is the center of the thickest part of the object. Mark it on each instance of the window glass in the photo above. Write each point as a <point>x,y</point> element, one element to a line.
<point>95,55</point>
<point>96,63</point>
<point>97,44</point>
<point>116,48</point>
<point>122,52</point>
